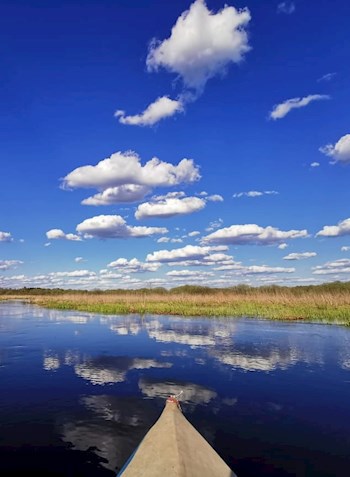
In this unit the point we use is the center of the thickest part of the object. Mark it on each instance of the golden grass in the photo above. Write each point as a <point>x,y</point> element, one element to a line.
<point>282,304</point>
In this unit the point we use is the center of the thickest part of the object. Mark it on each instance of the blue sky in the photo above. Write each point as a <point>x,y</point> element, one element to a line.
<point>161,143</point>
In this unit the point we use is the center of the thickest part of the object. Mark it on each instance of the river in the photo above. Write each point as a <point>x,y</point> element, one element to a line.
<point>78,391</point>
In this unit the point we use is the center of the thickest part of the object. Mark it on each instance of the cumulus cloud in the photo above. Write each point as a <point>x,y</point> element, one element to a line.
<point>345,249</point>
<point>194,233</point>
<point>114,226</point>
<point>215,198</point>
<point>281,110</point>
<point>282,246</point>
<point>117,195</point>
<point>330,268</point>
<point>161,108</point>
<point>299,256</point>
<point>126,168</point>
<point>79,259</point>
<point>343,228</point>
<point>202,44</point>
<point>9,264</point>
<point>5,237</point>
<point>286,7</point>
<point>133,266</point>
<point>252,234</point>
<point>340,152</point>
<point>58,234</point>
<point>189,252</point>
<point>254,193</point>
<point>169,207</point>
<point>314,164</point>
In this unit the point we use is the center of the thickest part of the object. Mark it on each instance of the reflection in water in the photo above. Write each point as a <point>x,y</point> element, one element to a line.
<point>188,392</point>
<point>249,386</point>
<point>110,427</point>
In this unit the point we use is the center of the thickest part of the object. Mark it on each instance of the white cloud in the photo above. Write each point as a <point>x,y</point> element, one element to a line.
<point>202,44</point>
<point>340,152</point>
<point>345,249</point>
<point>161,108</point>
<point>327,77</point>
<point>252,234</point>
<point>282,246</point>
<point>281,110</point>
<point>215,198</point>
<point>215,224</point>
<point>119,194</point>
<point>299,256</point>
<point>193,233</point>
<point>189,252</point>
<point>314,164</point>
<point>256,269</point>
<point>9,264</point>
<point>114,226</point>
<point>47,244</point>
<point>73,274</point>
<point>169,207</point>
<point>133,266</point>
<point>58,234</point>
<point>189,273</point>
<point>125,169</point>
<point>5,237</point>
<point>254,193</point>
<point>330,268</point>
<point>286,7</point>
<point>343,228</point>
<point>79,259</point>
<point>168,239</point>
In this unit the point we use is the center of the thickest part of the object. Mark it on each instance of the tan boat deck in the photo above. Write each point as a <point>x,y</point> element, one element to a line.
<point>174,448</point>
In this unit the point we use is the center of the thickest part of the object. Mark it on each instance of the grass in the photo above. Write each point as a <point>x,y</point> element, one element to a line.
<point>328,303</point>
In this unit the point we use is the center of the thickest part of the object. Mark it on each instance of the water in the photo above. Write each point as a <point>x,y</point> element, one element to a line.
<point>78,391</point>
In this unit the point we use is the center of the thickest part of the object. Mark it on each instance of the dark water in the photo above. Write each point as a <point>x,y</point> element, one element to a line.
<point>78,391</point>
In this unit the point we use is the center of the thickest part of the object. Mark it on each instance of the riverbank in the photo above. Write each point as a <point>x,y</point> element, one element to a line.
<point>330,304</point>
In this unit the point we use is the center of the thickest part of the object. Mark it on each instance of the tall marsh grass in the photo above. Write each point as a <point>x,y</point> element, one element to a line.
<point>323,303</point>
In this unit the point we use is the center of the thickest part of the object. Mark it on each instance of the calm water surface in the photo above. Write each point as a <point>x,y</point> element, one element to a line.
<point>79,391</point>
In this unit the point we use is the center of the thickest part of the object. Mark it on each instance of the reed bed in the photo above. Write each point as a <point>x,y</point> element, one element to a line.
<point>298,303</point>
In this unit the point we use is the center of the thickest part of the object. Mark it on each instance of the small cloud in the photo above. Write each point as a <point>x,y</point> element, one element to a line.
<point>169,206</point>
<point>194,233</point>
<point>286,7</point>
<point>327,77</point>
<point>114,226</point>
<point>343,228</point>
<point>79,259</point>
<point>214,225</point>
<point>58,234</point>
<point>314,164</point>
<point>215,198</point>
<point>340,152</point>
<point>9,264</point>
<point>281,110</point>
<point>252,234</point>
<point>300,256</point>
<point>283,246</point>
<point>345,249</point>
<point>330,268</point>
<point>5,237</point>
<point>161,108</point>
<point>47,244</point>
<point>254,193</point>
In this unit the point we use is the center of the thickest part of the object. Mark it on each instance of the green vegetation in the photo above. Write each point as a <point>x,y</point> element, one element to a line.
<point>328,303</point>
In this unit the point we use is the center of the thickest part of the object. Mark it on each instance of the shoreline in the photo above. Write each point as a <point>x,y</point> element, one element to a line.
<point>329,308</point>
